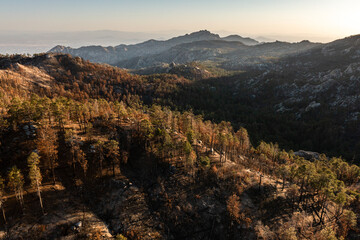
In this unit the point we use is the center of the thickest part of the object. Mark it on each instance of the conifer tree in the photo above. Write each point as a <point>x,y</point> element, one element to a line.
<point>100,149</point>
<point>46,143</point>
<point>113,153</point>
<point>16,183</point>
<point>35,175</point>
<point>81,159</point>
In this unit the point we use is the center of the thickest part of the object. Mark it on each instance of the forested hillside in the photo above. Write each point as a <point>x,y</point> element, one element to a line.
<point>90,151</point>
<point>302,95</point>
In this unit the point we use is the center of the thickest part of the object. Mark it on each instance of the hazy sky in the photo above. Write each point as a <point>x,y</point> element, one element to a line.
<point>317,20</point>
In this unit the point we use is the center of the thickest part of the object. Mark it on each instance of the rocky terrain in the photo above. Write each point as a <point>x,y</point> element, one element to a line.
<point>326,76</point>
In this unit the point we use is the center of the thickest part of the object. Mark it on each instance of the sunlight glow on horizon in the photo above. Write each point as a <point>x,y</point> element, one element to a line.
<point>317,20</point>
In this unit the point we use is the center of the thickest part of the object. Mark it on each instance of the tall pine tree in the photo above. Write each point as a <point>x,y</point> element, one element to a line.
<point>35,175</point>
<point>16,183</point>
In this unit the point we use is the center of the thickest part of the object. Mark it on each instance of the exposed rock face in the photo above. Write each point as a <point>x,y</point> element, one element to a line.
<point>308,155</point>
<point>312,105</point>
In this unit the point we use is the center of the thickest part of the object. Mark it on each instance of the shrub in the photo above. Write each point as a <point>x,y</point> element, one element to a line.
<point>233,207</point>
<point>205,161</point>
<point>120,237</point>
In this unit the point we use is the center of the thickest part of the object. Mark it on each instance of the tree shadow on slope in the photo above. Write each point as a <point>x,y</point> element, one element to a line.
<point>268,200</point>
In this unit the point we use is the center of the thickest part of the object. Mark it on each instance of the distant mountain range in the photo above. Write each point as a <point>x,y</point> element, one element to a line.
<point>232,51</point>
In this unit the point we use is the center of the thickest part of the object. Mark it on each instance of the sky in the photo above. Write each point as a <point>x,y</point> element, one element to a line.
<point>291,20</point>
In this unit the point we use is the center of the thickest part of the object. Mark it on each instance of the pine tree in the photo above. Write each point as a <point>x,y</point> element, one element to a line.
<point>100,150</point>
<point>81,159</point>
<point>35,174</point>
<point>46,143</point>
<point>16,183</point>
<point>113,153</point>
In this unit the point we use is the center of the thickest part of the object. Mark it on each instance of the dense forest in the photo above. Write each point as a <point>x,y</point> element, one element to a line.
<point>155,157</point>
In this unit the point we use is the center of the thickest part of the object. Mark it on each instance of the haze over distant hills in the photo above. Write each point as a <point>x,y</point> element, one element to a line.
<point>198,46</point>
<point>36,42</point>
<point>12,42</point>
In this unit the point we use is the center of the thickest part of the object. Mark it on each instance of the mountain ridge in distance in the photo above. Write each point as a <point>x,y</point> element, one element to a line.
<point>177,49</point>
<point>122,51</point>
<point>244,40</point>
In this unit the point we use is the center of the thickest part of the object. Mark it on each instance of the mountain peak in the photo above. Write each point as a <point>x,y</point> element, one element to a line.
<point>58,48</point>
<point>203,35</point>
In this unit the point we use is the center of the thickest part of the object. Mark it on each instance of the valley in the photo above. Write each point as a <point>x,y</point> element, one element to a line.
<point>193,140</point>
